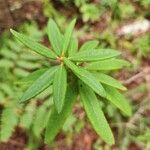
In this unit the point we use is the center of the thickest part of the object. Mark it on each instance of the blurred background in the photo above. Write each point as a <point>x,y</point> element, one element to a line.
<point>118,24</point>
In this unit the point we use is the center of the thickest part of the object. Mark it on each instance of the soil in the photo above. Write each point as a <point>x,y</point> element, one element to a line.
<point>14,13</point>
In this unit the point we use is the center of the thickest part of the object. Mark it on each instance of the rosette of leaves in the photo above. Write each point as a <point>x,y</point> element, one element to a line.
<point>76,72</point>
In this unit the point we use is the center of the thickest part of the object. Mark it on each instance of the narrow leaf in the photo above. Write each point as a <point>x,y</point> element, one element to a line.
<point>39,85</point>
<point>94,55</point>
<point>110,64</point>
<point>95,113</point>
<point>56,121</point>
<point>103,78</point>
<point>68,35</point>
<point>55,37</point>
<point>38,48</point>
<point>118,100</point>
<point>59,87</point>
<point>31,77</point>
<point>73,47</point>
<point>89,45</point>
<point>87,77</point>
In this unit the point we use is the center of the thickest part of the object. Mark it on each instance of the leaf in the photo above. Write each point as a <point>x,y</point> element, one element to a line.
<point>68,35</point>
<point>103,78</point>
<point>8,122</point>
<point>28,115</point>
<point>27,65</point>
<point>6,88</point>
<point>59,87</point>
<point>87,77</point>
<point>38,48</point>
<point>94,55</point>
<point>110,64</point>
<point>6,63</point>
<point>73,47</point>
<point>89,45</point>
<point>20,72</point>
<point>8,54</point>
<point>56,121</point>
<point>32,77</point>
<point>95,113</point>
<point>46,94</point>
<point>40,120</point>
<point>55,37</point>
<point>118,100</point>
<point>39,85</point>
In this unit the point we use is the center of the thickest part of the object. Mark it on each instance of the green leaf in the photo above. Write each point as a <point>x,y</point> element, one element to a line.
<point>87,77</point>
<point>6,63</point>
<point>110,64</point>
<point>95,113</point>
<point>6,88</point>
<point>56,121</point>
<point>32,77</point>
<point>46,94</point>
<point>40,120</point>
<point>20,72</point>
<point>6,53</point>
<point>103,78</point>
<point>68,35</point>
<point>27,65</point>
<point>39,85</point>
<point>73,47</point>
<point>59,87</point>
<point>118,100</point>
<point>38,48</point>
<point>89,45</point>
<point>94,55</point>
<point>55,37</point>
<point>8,122</point>
<point>28,115</point>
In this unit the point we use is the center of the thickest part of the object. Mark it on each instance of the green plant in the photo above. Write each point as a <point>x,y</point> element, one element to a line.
<point>75,72</point>
<point>144,3</point>
<point>89,11</point>
<point>142,45</point>
<point>16,62</point>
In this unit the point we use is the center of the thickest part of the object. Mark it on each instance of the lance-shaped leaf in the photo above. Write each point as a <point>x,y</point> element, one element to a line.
<point>115,97</point>
<point>39,85</point>
<point>108,64</point>
<point>68,35</point>
<point>94,55</point>
<point>38,48</point>
<point>103,78</point>
<point>31,77</point>
<point>55,37</point>
<point>89,45</point>
<point>95,113</point>
<point>73,47</point>
<point>87,77</point>
<point>56,121</point>
<point>59,87</point>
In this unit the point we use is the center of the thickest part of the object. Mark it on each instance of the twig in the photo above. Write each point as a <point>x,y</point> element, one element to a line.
<point>142,74</point>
